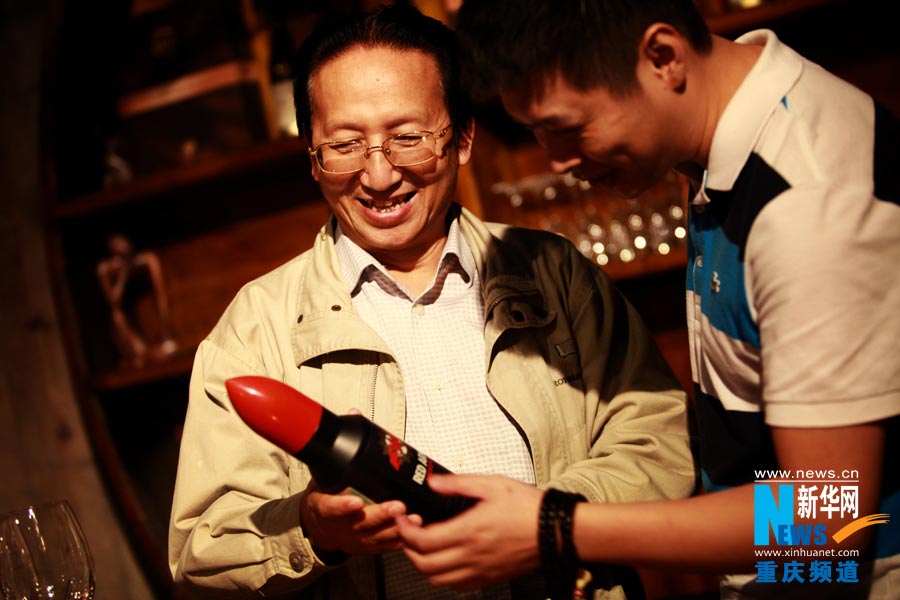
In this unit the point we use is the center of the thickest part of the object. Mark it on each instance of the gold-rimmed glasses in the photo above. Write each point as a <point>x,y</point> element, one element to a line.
<point>406,149</point>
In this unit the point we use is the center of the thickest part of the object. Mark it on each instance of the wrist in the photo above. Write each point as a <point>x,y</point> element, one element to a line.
<point>328,555</point>
<point>311,530</point>
<point>559,558</point>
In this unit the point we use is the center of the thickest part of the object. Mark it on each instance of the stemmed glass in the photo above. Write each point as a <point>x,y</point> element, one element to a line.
<point>43,555</point>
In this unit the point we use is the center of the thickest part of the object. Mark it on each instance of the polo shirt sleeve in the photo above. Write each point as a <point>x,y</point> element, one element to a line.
<point>823,277</point>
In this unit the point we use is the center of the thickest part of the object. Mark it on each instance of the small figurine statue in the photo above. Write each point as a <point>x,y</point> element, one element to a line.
<point>116,273</point>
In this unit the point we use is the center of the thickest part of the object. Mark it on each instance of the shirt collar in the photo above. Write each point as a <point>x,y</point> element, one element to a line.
<point>763,89</point>
<point>357,264</point>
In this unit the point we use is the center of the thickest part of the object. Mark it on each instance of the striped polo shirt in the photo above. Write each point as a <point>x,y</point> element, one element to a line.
<point>793,280</point>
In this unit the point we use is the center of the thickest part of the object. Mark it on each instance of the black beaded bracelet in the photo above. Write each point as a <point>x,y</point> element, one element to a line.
<point>559,559</point>
<point>547,537</point>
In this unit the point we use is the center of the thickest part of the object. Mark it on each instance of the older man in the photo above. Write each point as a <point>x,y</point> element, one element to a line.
<point>490,349</point>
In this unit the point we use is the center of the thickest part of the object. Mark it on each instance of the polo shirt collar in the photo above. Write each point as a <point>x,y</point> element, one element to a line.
<point>765,86</point>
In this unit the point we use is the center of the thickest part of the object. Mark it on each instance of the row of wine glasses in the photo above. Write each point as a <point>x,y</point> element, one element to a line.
<point>43,555</point>
<point>605,228</point>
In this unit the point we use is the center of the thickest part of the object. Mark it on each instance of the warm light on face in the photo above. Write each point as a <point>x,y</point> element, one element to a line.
<point>386,177</point>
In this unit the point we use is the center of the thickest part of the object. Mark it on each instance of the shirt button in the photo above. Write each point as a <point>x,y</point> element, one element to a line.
<point>419,309</point>
<point>700,261</point>
<point>296,562</point>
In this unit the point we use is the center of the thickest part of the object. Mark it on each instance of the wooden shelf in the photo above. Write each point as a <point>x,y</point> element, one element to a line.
<point>287,153</point>
<point>190,86</point>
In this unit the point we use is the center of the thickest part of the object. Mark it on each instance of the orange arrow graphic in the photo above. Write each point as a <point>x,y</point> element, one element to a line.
<point>853,526</point>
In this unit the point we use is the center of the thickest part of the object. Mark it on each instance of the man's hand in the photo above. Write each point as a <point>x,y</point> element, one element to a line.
<point>345,522</point>
<point>495,540</point>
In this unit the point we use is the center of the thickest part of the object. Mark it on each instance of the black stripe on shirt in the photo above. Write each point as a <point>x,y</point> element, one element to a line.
<point>737,208</point>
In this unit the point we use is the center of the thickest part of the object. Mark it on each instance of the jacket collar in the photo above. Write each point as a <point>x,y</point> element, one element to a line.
<point>326,321</point>
<point>512,298</point>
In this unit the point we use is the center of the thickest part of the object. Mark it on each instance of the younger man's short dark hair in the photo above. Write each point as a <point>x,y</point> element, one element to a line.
<point>507,43</point>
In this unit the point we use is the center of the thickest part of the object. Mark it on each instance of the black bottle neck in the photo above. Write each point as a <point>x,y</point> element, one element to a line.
<point>334,445</point>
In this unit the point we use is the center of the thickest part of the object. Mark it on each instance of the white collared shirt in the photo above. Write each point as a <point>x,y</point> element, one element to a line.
<point>438,341</point>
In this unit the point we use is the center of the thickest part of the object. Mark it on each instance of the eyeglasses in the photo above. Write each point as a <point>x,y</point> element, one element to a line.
<point>401,150</point>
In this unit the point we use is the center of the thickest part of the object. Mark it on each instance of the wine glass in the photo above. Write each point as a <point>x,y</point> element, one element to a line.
<point>43,555</point>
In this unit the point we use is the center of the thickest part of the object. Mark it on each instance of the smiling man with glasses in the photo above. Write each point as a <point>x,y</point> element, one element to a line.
<point>488,348</point>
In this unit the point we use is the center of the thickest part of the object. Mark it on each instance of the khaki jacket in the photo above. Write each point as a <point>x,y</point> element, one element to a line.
<point>567,358</point>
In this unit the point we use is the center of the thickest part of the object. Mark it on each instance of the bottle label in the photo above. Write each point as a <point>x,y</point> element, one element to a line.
<point>400,455</point>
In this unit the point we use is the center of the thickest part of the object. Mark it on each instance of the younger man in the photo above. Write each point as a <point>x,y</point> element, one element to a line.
<point>793,290</point>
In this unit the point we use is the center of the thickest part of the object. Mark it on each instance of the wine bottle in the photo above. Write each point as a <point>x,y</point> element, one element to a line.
<point>346,451</point>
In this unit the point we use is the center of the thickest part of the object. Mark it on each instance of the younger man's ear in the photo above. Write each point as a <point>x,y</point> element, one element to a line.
<point>664,50</point>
